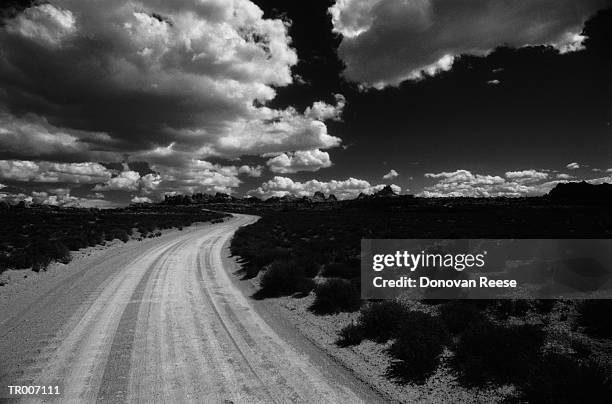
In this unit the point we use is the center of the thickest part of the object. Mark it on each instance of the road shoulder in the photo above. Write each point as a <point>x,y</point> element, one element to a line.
<point>275,315</point>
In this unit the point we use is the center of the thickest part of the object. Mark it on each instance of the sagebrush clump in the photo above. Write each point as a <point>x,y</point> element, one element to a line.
<point>336,295</point>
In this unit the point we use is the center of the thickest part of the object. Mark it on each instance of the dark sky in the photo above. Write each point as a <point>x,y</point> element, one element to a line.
<point>547,111</point>
<point>103,105</point>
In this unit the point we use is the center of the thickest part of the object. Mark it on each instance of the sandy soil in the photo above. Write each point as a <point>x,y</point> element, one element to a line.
<point>159,320</point>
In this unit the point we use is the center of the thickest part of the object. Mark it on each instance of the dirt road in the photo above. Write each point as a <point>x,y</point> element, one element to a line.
<point>158,321</point>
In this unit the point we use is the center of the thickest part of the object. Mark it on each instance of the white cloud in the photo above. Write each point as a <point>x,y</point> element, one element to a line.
<point>64,199</point>
<point>150,182</point>
<point>251,171</point>
<point>345,189</point>
<point>387,41</point>
<point>600,180</point>
<point>573,166</point>
<point>125,181</point>
<point>43,23</point>
<point>141,199</point>
<point>465,183</point>
<point>526,176</point>
<point>563,176</point>
<point>466,176</point>
<point>307,160</point>
<point>198,176</point>
<point>55,200</point>
<point>390,175</point>
<point>186,79</point>
<point>192,176</point>
<point>274,132</point>
<point>322,111</point>
<point>32,137</point>
<point>15,198</point>
<point>493,82</point>
<point>44,171</point>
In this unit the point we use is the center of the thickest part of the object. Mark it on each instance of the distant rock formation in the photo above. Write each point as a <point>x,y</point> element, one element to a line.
<point>289,198</point>
<point>332,198</point>
<point>386,192</point>
<point>581,192</point>
<point>318,197</point>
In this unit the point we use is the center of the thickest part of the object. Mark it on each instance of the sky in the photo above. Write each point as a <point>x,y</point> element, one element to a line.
<point>103,103</point>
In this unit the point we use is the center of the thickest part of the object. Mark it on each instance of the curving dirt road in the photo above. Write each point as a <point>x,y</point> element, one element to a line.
<point>158,321</point>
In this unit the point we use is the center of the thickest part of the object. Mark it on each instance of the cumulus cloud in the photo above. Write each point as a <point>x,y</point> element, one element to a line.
<point>14,198</point>
<point>183,80</point>
<point>464,183</point>
<point>251,171</point>
<point>43,23</point>
<point>322,111</point>
<point>573,166</point>
<point>141,199</point>
<point>62,198</point>
<point>44,171</point>
<point>125,181</point>
<point>307,160</point>
<point>390,175</point>
<point>387,41</point>
<point>198,176</point>
<point>191,176</point>
<point>44,198</point>
<point>33,137</point>
<point>600,180</point>
<point>526,176</point>
<point>563,176</point>
<point>344,189</point>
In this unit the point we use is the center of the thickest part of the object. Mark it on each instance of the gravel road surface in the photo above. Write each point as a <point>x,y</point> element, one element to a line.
<point>159,321</point>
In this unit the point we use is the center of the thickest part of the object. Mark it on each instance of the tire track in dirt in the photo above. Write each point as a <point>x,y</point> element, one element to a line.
<point>114,383</point>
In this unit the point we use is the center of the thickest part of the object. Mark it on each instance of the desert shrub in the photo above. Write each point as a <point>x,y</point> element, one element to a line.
<point>41,252</point>
<point>59,252</point>
<point>380,320</point>
<point>116,233</point>
<point>75,242</point>
<point>490,353</point>
<point>309,267</point>
<point>559,378</point>
<point>336,295</point>
<point>94,238</point>
<point>282,278</point>
<point>416,350</point>
<point>505,308</point>
<point>595,316</point>
<point>352,334</point>
<point>544,306</point>
<point>459,315</point>
<point>40,263</point>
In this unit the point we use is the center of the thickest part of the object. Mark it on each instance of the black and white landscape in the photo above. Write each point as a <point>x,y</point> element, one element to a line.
<point>184,187</point>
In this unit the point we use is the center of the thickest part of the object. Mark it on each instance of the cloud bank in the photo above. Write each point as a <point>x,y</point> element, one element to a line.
<point>307,160</point>
<point>342,189</point>
<point>189,76</point>
<point>463,183</point>
<point>388,41</point>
